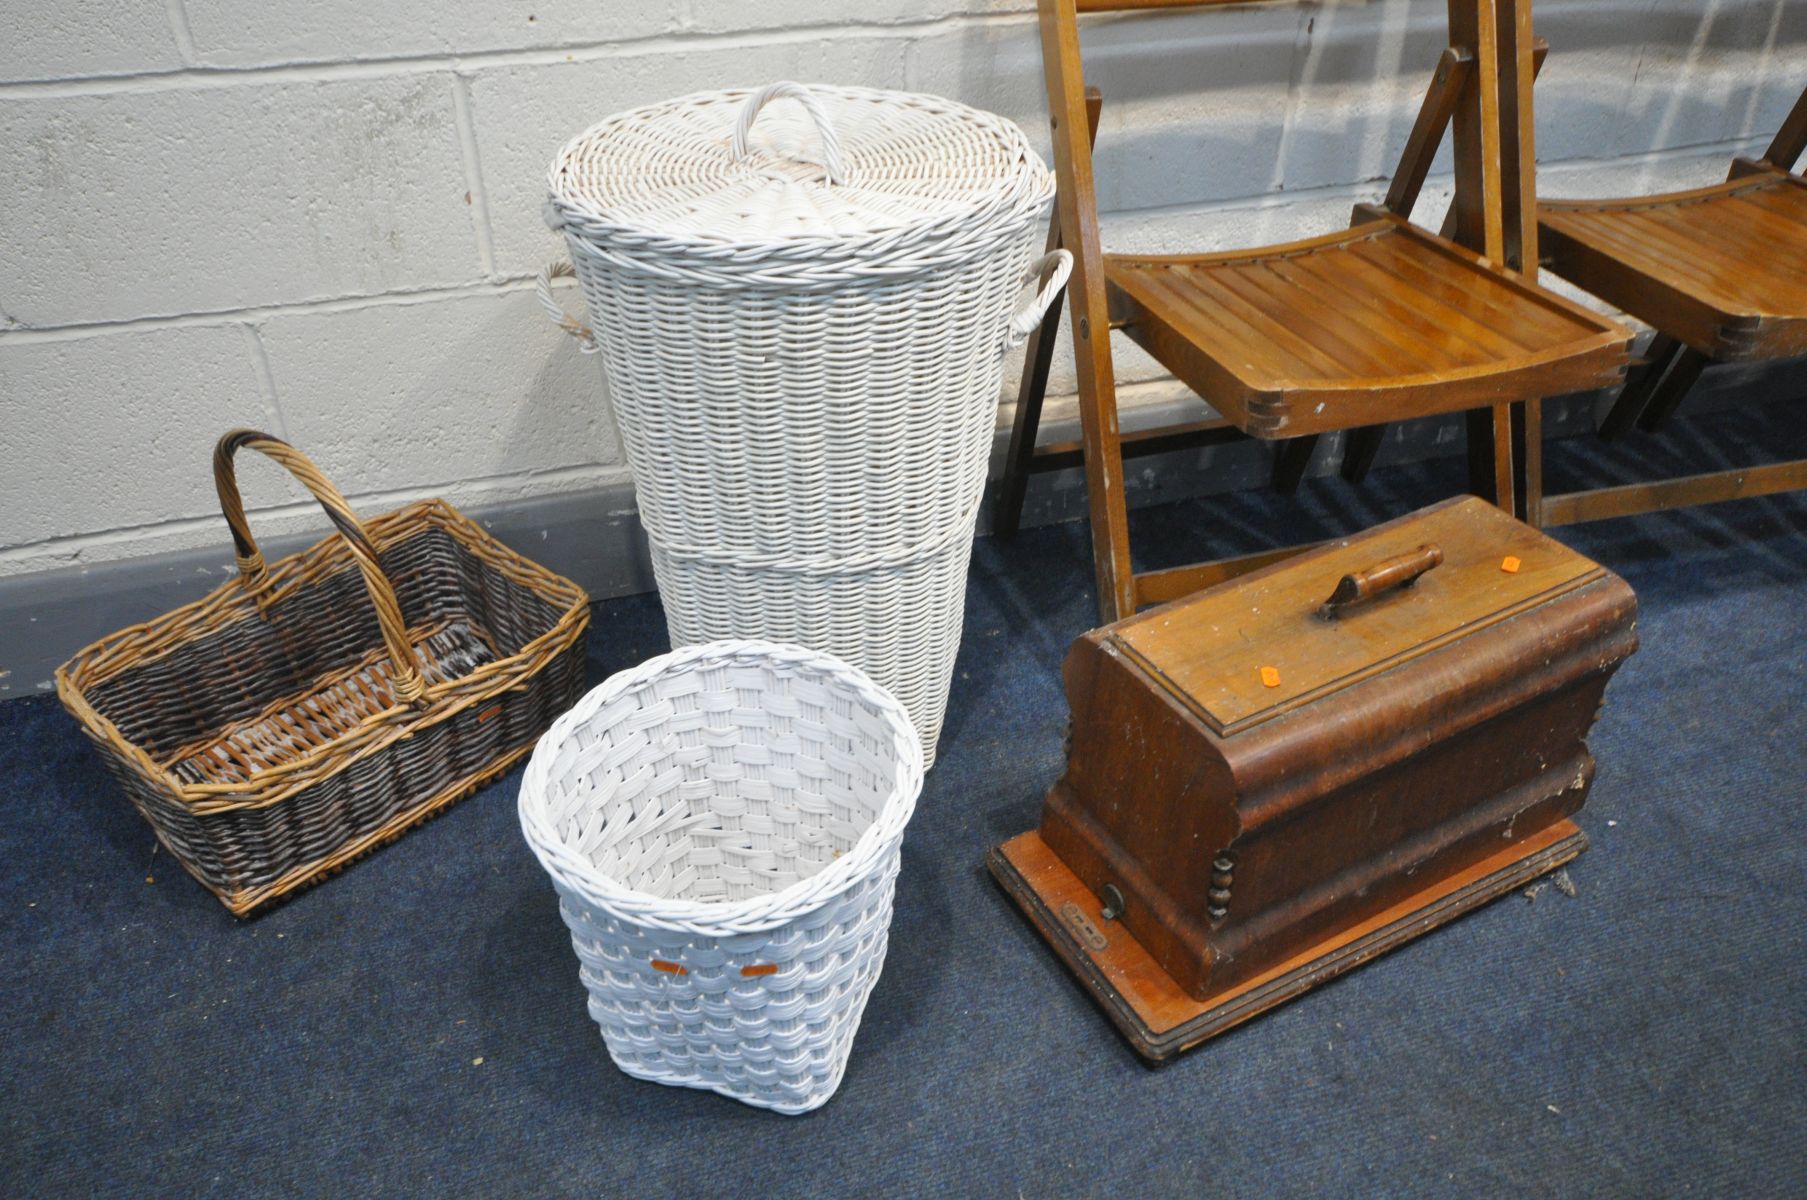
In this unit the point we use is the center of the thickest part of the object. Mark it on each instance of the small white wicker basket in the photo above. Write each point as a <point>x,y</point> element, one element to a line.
<point>804,323</point>
<point>722,825</point>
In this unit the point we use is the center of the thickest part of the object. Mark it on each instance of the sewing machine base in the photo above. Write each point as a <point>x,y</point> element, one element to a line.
<point>1159,1019</point>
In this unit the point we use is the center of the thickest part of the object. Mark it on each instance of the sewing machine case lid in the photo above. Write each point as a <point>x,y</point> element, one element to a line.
<point>1209,650</point>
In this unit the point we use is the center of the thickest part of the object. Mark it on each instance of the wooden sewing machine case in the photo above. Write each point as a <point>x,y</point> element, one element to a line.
<point>1268,784</point>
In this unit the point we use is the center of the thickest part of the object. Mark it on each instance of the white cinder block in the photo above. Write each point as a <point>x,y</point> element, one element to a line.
<point>251,32</point>
<point>87,37</point>
<point>1261,221</point>
<point>725,16</point>
<point>1694,74</point>
<point>1709,99</point>
<point>114,431</point>
<point>1193,101</point>
<point>203,199</point>
<point>1633,177</point>
<point>523,114</point>
<point>995,66</point>
<point>1360,82</point>
<point>425,395</point>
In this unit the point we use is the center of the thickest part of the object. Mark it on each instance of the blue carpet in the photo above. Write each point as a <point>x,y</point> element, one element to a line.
<point>416,1026</point>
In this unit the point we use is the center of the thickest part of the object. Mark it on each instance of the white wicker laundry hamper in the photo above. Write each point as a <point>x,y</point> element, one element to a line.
<point>722,825</point>
<point>803,297</point>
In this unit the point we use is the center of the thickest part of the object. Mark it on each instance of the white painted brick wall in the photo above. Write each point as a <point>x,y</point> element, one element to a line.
<point>100,431</point>
<point>164,200</point>
<point>473,387</point>
<point>322,218</point>
<point>247,33</point>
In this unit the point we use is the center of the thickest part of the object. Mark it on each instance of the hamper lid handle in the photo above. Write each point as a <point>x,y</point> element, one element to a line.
<point>831,143</point>
<point>1400,571</point>
<point>409,686</point>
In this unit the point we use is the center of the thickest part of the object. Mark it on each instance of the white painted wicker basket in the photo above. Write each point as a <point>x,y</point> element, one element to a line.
<point>722,825</point>
<point>804,322</point>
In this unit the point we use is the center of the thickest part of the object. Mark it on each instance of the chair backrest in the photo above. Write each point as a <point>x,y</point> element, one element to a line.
<point>1494,210</point>
<point>1791,139</point>
<point>1496,158</point>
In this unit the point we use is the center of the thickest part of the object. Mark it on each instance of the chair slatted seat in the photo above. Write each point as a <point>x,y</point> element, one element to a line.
<point>1721,273</point>
<point>1373,323</point>
<point>1724,266</point>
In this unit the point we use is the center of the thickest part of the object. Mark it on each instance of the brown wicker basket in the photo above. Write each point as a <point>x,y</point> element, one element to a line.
<point>300,716</point>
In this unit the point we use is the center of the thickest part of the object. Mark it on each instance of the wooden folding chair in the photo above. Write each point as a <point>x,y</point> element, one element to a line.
<point>1380,322</point>
<point>1721,273</point>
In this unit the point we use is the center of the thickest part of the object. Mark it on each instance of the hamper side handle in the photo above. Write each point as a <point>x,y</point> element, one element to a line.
<point>1031,314</point>
<point>542,289</point>
<point>831,142</point>
<point>409,686</point>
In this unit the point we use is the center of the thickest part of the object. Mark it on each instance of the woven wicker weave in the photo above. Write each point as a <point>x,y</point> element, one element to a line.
<point>722,825</point>
<point>804,320</point>
<point>301,715</point>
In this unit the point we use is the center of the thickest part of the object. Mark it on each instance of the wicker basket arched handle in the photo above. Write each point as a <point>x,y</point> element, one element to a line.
<point>410,688</point>
<point>831,142</point>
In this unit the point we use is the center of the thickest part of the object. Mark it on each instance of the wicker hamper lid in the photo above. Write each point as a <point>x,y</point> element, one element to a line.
<point>796,177</point>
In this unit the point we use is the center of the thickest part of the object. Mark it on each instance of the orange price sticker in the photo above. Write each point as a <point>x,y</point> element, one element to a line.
<point>1270,676</point>
<point>1510,564</point>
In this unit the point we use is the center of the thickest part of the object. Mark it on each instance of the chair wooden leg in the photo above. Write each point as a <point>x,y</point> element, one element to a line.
<point>1505,464</point>
<point>1478,431</point>
<point>1007,514</point>
<point>1679,380</point>
<point>1527,458</point>
<point>1291,462</point>
<point>1635,395</point>
<point>1360,448</point>
<point>1491,462</point>
<point>1106,502</point>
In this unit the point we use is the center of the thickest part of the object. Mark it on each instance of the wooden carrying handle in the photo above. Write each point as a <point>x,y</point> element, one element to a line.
<point>1401,571</point>
<point>409,686</point>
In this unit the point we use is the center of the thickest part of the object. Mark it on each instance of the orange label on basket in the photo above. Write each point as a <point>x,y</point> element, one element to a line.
<point>760,969</point>
<point>670,968</point>
<point>1270,676</point>
<point>1510,564</point>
